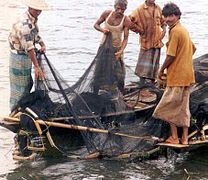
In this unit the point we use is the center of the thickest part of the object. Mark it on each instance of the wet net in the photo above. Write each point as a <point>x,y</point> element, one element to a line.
<point>199,95</point>
<point>100,113</point>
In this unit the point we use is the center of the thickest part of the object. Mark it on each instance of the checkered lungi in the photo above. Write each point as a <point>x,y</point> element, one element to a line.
<point>20,78</point>
<point>148,63</point>
<point>174,106</point>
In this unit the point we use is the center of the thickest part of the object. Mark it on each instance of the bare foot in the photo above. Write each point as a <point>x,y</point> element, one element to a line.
<point>172,140</point>
<point>184,141</point>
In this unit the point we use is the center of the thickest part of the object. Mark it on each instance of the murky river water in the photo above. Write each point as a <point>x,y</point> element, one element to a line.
<point>71,45</point>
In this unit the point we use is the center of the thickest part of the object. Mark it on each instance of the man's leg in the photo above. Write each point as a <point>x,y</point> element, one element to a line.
<point>185,136</point>
<point>174,131</point>
<point>173,139</point>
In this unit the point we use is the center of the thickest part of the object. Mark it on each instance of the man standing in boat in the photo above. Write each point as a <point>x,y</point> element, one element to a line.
<point>116,23</point>
<point>148,22</point>
<point>174,105</point>
<point>23,37</point>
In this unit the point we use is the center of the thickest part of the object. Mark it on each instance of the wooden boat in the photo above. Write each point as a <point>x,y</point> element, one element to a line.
<point>140,102</point>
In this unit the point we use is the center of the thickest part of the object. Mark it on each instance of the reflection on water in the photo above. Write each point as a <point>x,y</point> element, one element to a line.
<point>62,169</point>
<point>71,45</point>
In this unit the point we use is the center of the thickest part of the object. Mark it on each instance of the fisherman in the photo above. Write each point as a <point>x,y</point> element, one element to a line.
<point>174,104</point>
<point>116,23</point>
<point>22,39</point>
<point>148,21</point>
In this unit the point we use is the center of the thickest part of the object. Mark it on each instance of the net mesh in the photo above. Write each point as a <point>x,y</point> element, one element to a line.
<point>120,118</point>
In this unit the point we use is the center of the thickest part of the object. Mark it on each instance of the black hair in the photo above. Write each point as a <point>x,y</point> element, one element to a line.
<point>124,3</point>
<point>171,9</point>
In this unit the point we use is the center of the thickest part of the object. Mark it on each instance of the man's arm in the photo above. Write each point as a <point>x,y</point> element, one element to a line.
<point>42,47</point>
<point>194,48</point>
<point>135,22</point>
<point>127,24</point>
<point>38,72</point>
<point>26,40</point>
<point>163,25</point>
<point>163,30</point>
<point>168,61</point>
<point>102,18</point>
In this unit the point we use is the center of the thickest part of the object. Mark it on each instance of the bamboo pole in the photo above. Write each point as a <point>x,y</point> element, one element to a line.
<point>11,119</point>
<point>84,128</point>
<point>22,158</point>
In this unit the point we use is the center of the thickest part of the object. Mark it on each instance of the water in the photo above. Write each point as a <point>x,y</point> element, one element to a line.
<point>71,45</point>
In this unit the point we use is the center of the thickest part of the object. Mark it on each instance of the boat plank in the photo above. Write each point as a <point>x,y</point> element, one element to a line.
<point>191,144</point>
<point>173,145</point>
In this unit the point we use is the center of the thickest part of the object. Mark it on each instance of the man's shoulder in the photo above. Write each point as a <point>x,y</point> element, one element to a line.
<point>179,28</point>
<point>23,24</point>
<point>23,20</point>
<point>141,6</point>
<point>106,13</point>
<point>158,6</point>
<point>127,21</point>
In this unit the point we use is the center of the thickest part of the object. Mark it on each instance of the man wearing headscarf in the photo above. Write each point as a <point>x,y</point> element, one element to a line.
<point>22,39</point>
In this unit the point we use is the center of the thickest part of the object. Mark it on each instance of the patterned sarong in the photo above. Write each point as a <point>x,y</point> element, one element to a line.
<point>148,63</point>
<point>20,78</point>
<point>174,106</point>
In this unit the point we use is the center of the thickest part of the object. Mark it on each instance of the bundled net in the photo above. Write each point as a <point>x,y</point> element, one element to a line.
<point>105,117</point>
<point>199,95</point>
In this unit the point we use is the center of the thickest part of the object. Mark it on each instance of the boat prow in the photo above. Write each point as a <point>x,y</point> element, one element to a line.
<point>10,125</point>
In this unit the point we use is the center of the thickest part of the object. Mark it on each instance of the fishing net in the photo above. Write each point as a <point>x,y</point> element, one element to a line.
<point>199,95</point>
<point>98,111</point>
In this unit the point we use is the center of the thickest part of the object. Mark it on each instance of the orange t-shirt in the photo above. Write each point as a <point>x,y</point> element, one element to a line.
<point>180,72</point>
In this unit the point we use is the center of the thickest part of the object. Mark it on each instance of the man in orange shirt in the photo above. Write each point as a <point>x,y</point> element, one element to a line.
<point>147,20</point>
<point>174,105</point>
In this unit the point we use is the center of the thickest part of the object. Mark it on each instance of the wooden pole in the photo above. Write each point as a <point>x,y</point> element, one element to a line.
<point>83,128</point>
<point>11,119</point>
